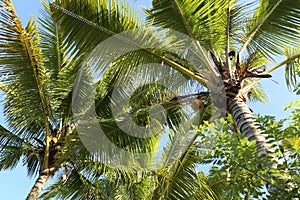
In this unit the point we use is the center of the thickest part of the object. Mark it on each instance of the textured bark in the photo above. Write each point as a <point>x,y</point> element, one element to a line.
<point>38,186</point>
<point>246,123</point>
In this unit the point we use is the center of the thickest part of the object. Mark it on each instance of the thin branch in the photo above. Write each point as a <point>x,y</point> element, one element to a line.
<point>263,179</point>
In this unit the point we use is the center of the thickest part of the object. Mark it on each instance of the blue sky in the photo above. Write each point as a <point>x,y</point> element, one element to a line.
<point>15,184</point>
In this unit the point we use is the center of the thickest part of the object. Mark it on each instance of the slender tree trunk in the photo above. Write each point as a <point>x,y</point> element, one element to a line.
<point>246,123</point>
<point>38,186</point>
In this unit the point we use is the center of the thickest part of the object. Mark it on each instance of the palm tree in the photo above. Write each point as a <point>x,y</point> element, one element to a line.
<point>259,36</point>
<point>229,41</point>
<point>232,28</point>
<point>257,31</point>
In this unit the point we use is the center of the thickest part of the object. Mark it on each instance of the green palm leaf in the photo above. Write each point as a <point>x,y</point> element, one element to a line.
<point>104,30</point>
<point>77,187</point>
<point>12,148</point>
<point>176,175</point>
<point>192,18</point>
<point>26,103</point>
<point>293,56</point>
<point>186,17</point>
<point>274,25</point>
<point>103,19</point>
<point>62,63</point>
<point>178,178</point>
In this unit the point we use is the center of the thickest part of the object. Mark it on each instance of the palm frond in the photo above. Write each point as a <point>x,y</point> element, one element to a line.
<point>33,160</point>
<point>177,176</point>
<point>141,38</point>
<point>62,63</point>
<point>234,20</point>
<point>179,15</point>
<point>80,185</point>
<point>87,178</point>
<point>180,181</point>
<point>52,43</point>
<point>293,55</point>
<point>274,25</point>
<point>26,103</point>
<point>12,148</point>
<point>292,59</point>
<point>98,18</point>
<point>114,146</point>
<point>188,17</point>
<point>138,39</point>
<point>68,48</point>
<point>143,91</point>
<point>257,94</point>
<point>144,88</point>
<point>76,187</point>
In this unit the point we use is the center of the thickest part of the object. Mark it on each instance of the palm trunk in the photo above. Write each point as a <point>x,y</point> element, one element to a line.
<point>38,186</point>
<point>246,123</point>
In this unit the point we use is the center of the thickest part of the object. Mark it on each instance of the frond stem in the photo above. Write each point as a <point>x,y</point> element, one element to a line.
<point>248,87</point>
<point>189,30</point>
<point>28,47</point>
<point>105,30</point>
<point>251,36</point>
